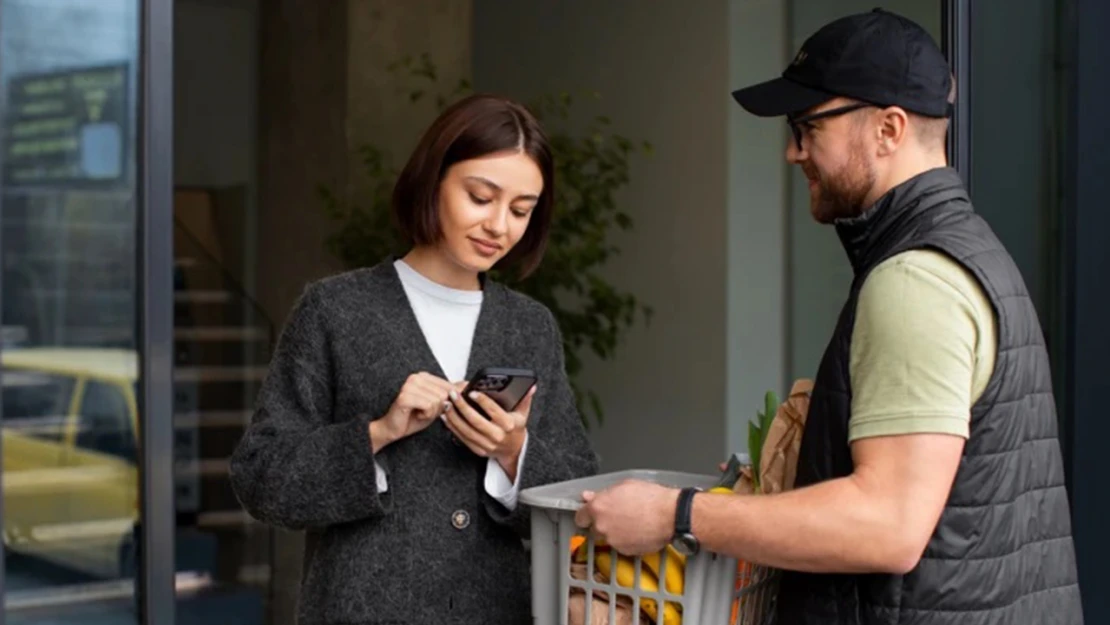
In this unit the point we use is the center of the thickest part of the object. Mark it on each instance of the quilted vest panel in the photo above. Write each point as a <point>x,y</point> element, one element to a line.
<point>1002,552</point>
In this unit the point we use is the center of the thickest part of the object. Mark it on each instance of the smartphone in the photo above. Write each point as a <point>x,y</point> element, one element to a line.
<point>505,386</point>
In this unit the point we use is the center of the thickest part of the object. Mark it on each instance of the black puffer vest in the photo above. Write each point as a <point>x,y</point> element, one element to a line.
<point>1002,553</point>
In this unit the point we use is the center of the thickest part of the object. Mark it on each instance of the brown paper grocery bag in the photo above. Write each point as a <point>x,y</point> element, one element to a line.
<point>744,484</point>
<point>778,466</point>
<point>779,458</point>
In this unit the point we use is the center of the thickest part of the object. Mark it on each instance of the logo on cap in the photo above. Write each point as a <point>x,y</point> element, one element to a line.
<point>802,55</point>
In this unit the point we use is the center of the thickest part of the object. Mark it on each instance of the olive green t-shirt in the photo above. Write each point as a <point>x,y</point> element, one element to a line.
<point>923,347</point>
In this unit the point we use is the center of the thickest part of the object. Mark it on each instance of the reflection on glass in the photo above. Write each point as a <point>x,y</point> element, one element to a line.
<point>69,363</point>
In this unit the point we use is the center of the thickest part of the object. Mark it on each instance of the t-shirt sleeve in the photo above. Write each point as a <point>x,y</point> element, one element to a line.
<point>917,349</point>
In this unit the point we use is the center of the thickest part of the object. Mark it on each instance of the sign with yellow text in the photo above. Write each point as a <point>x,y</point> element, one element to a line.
<point>68,128</point>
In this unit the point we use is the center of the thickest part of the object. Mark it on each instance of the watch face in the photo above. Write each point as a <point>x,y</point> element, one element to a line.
<point>686,544</point>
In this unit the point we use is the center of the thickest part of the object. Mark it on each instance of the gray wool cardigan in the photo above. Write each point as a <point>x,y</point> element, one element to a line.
<point>435,547</point>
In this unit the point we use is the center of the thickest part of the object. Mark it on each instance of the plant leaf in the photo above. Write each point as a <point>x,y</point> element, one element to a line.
<point>770,408</point>
<point>755,446</point>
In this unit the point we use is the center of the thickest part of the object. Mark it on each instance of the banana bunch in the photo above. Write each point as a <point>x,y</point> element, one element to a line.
<point>612,566</point>
<point>623,571</point>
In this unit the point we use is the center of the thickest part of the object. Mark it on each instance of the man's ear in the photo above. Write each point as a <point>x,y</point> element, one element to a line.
<point>892,130</point>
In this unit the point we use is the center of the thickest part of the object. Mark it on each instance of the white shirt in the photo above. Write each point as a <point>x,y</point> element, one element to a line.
<point>447,317</point>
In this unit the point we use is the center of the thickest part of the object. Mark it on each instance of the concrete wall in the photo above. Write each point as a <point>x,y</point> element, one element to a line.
<point>706,252</point>
<point>302,142</point>
<point>662,74</point>
<point>758,272</point>
<point>325,90</point>
<point>382,31</point>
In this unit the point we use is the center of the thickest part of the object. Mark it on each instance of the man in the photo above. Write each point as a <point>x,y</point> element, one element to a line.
<point>930,484</point>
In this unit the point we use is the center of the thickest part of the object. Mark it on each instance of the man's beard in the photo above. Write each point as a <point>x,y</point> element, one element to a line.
<point>842,194</point>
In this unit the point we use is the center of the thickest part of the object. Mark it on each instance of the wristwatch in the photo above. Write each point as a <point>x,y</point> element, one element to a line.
<point>684,540</point>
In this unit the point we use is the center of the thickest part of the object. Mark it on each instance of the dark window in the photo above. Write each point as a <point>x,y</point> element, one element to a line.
<point>36,404</point>
<point>104,421</point>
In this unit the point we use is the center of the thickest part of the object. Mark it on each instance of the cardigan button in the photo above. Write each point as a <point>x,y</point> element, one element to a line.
<point>460,519</point>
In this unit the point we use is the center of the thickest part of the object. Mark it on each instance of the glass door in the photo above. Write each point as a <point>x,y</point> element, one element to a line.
<point>80,199</point>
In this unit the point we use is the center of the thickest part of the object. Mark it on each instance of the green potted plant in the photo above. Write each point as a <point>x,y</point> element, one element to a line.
<point>591,166</point>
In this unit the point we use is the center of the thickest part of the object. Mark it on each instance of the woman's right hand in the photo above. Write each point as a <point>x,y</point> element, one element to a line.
<point>422,399</point>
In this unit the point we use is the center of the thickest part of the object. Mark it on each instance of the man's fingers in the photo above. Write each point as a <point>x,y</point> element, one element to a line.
<point>582,517</point>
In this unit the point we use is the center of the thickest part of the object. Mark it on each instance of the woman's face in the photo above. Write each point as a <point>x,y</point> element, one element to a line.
<point>485,205</point>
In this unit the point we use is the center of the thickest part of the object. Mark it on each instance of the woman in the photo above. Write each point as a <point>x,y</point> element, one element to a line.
<point>361,437</point>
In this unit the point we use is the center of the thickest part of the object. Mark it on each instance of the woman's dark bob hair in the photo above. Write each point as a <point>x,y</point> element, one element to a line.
<point>473,127</point>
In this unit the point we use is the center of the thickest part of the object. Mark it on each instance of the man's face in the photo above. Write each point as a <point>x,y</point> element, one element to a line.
<point>835,158</point>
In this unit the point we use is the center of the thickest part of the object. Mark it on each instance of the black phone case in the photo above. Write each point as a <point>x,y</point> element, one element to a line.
<point>505,386</point>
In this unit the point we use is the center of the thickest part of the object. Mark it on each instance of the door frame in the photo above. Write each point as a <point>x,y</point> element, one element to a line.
<point>1086,304</point>
<point>3,556</point>
<point>955,19</point>
<point>157,564</point>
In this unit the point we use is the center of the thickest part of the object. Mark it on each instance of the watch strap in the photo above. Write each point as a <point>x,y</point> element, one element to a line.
<point>682,514</point>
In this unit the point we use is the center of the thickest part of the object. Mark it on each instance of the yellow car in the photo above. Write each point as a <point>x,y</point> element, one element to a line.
<point>70,476</point>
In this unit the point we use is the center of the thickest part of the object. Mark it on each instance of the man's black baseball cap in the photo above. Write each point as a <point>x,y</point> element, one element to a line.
<point>876,57</point>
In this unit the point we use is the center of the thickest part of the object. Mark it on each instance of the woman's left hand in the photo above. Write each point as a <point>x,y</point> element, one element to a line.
<point>500,437</point>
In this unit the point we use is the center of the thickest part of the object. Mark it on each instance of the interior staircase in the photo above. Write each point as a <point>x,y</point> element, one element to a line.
<point>222,343</point>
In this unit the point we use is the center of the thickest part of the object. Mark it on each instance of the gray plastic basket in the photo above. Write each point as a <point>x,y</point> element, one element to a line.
<point>710,580</point>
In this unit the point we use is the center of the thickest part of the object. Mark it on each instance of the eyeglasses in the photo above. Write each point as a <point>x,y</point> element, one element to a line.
<point>797,123</point>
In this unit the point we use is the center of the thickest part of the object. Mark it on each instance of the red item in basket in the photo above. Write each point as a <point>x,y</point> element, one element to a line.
<point>743,580</point>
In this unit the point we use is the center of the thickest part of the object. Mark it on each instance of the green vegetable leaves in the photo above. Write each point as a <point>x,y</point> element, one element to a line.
<point>757,434</point>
